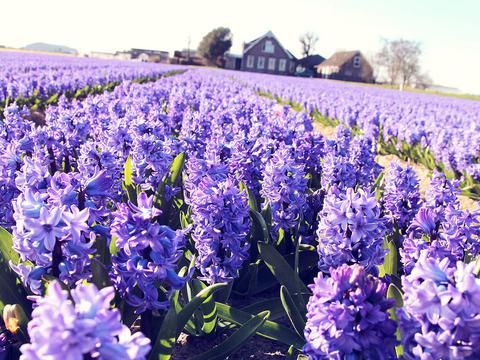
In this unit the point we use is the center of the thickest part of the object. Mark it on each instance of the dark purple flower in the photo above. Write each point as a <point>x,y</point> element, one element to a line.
<point>83,326</point>
<point>147,256</point>
<point>350,230</point>
<point>348,317</point>
<point>444,300</point>
<point>401,198</point>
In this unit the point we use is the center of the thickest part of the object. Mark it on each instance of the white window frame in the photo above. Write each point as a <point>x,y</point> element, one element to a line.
<point>268,47</point>
<point>272,63</point>
<point>250,61</point>
<point>261,62</point>
<point>282,65</point>
<point>357,61</point>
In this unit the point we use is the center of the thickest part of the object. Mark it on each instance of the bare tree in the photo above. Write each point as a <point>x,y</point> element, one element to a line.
<point>308,41</point>
<point>399,61</point>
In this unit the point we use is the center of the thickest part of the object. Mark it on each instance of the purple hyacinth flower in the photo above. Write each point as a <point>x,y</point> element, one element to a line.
<point>348,317</point>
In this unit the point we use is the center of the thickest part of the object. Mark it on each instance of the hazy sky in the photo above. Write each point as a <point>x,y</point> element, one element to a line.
<point>449,30</point>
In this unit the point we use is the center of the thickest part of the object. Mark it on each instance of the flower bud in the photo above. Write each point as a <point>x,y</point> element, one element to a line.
<point>14,317</point>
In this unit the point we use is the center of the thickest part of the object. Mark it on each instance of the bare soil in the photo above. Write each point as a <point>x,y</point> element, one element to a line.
<point>423,173</point>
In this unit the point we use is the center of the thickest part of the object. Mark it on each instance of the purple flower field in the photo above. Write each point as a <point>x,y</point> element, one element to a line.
<point>194,205</point>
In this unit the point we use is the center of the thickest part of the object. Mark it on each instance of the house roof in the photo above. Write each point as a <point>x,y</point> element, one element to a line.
<point>311,61</point>
<point>251,44</point>
<point>339,58</point>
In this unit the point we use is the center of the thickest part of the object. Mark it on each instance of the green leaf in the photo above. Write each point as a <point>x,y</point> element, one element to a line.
<point>394,292</point>
<point>476,271</point>
<point>237,339</point>
<point>307,260</point>
<point>274,305</point>
<point>11,289</point>
<point>100,276</point>
<point>128,184</point>
<point>390,260</point>
<point>186,313</point>
<point>176,169</point>
<point>290,354</point>
<point>128,171</point>
<point>113,246</point>
<point>296,318</point>
<point>252,202</point>
<point>285,275</point>
<point>167,336</point>
<point>208,309</point>
<point>128,314</point>
<point>270,330</point>
<point>259,227</point>
<point>6,247</point>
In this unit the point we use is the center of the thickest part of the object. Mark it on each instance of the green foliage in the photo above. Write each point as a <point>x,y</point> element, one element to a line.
<point>241,336</point>
<point>176,319</point>
<point>394,292</point>
<point>296,318</point>
<point>215,44</point>
<point>11,290</point>
<point>285,275</point>
<point>270,330</point>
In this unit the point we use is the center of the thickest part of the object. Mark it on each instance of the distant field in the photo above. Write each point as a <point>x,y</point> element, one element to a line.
<point>421,91</point>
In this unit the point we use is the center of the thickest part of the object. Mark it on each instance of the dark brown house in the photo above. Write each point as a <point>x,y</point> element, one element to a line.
<point>266,55</point>
<point>347,66</point>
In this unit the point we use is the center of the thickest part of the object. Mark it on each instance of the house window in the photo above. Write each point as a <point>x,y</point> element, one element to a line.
<point>268,47</point>
<point>356,61</point>
<point>261,62</point>
<point>250,61</point>
<point>282,65</point>
<point>271,63</point>
<point>292,66</point>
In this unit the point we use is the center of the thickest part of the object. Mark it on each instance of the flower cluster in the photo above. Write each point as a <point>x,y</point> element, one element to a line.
<point>442,192</point>
<point>443,299</point>
<point>83,326</point>
<point>348,317</point>
<point>53,217</point>
<point>350,230</point>
<point>362,156</point>
<point>147,255</point>
<point>284,186</point>
<point>401,198</point>
<point>221,223</point>
<point>450,233</point>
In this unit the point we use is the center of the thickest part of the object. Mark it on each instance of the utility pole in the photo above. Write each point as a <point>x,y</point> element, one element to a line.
<point>188,47</point>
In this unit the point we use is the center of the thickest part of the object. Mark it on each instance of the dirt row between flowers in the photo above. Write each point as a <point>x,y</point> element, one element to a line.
<point>423,173</point>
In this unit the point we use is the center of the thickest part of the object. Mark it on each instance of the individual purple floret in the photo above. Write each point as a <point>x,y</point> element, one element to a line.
<point>284,186</point>
<point>147,256</point>
<point>351,230</point>
<point>221,223</point>
<point>81,327</point>
<point>348,317</point>
<point>444,299</point>
<point>401,198</point>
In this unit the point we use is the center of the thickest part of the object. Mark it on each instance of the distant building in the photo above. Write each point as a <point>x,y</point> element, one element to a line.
<point>347,66</point>
<point>148,55</point>
<point>102,55</point>
<point>233,62</point>
<point>186,57</point>
<point>307,65</point>
<point>123,55</point>
<point>267,55</point>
